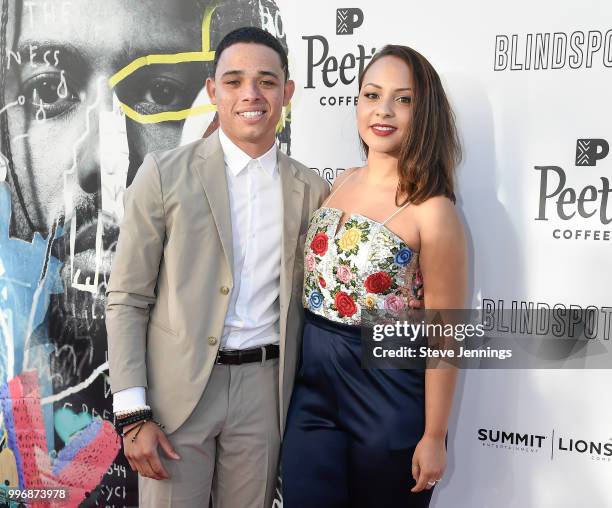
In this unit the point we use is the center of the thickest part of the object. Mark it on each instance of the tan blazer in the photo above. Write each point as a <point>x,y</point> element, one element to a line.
<point>169,290</point>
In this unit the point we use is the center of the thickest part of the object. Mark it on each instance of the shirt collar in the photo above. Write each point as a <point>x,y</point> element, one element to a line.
<point>236,160</point>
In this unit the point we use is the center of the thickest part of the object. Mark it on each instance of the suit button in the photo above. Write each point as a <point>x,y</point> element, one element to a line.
<point>212,341</point>
<point>224,290</point>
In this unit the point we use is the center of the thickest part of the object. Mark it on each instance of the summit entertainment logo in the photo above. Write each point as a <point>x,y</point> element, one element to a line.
<point>498,438</point>
<point>560,201</point>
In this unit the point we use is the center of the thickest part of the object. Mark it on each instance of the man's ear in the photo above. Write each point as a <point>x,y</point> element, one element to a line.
<point>211,90</point>
<point>289,91</point>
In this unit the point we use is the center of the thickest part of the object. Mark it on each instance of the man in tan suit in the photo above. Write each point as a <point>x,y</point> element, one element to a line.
<point>204,309</point>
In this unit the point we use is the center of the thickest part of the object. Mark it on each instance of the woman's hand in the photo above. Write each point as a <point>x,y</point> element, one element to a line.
<point>428,462</point>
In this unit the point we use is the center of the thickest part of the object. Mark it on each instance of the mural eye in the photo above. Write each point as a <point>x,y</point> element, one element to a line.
<point>165,93</point>
<point>47,91</point>
<point>51,92</point>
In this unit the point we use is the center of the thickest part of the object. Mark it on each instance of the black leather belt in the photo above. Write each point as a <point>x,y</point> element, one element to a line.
<point>255,354</point>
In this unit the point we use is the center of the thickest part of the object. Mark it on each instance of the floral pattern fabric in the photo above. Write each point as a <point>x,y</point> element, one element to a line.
<point>363,265</point>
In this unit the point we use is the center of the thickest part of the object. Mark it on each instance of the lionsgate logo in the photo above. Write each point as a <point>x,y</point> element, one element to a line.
<point>347,20</point>
<point>563,203</point>
<point>328,70</point>
<point>595,450</point>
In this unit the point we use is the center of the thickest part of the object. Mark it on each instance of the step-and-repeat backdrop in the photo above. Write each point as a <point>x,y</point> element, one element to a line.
<point>87,87</point>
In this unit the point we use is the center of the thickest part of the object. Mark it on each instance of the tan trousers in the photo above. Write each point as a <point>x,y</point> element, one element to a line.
<point>229,445</point>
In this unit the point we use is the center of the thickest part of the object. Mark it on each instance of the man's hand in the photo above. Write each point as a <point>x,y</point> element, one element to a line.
<point>142,454</point>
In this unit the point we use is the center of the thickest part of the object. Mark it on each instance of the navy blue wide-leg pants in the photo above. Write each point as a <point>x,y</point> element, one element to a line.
<point>351,432</point>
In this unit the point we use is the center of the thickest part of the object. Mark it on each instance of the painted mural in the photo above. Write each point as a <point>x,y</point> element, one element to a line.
<point>87,88</point>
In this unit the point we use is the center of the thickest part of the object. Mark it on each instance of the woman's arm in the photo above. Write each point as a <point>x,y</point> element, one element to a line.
<point>443,262</point>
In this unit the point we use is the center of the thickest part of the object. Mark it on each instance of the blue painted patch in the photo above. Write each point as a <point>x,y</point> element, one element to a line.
<point>67,423</point>
<point>21,265</point>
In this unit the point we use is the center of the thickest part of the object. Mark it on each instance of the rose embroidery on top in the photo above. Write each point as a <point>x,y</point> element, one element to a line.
<point>345,304</point>
<point>395,304</point>
<point>319,244</point>
<point>403,257</point>
<point>350,239</point>
<point>378,282</point>
<point>344,274</point>
<point>310,261</point>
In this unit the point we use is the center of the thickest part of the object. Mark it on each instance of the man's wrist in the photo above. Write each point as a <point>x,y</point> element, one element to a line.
<point>131,417</point>
<point>127,428</point>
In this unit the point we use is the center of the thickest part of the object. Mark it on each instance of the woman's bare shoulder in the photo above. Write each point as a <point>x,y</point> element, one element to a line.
<point>438,217</point>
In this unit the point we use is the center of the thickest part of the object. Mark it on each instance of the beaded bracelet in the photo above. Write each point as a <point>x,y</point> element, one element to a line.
<point>136,417</point>
<point>129,412</point>
<point>133,414</point>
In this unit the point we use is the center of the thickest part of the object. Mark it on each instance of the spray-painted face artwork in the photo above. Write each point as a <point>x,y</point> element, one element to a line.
<point>88,87</point>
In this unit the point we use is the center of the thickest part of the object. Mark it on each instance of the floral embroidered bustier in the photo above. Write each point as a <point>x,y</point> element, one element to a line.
<point>363,265</point>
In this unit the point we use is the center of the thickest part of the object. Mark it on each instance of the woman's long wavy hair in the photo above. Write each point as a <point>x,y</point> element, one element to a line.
<point>431,150</point>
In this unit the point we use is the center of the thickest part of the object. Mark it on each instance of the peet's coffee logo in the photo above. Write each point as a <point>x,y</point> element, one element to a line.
<point>589,151</point>
<point>347,20</point>
<point>599,451</point>
<point>329,70</point>
<point>559,201</point>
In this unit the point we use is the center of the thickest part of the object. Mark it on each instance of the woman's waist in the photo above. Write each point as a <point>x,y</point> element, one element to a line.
<point>330,325</point>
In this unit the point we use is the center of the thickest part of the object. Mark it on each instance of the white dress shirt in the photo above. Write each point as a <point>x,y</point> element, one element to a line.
<point>255,198</point>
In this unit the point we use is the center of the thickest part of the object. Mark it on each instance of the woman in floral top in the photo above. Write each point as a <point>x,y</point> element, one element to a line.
<point>388,239</point>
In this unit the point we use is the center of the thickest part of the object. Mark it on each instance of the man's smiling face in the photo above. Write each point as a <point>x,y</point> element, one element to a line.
<point>250,90</point>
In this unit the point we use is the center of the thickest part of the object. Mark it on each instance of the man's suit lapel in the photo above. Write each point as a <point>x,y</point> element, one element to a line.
<point>211,172</point>
<point>293,202</point>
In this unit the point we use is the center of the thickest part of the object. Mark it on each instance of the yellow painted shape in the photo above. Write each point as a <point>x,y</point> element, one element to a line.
<point>205,55</point>
<point>285,116</point>
<point>143,61</point>
<point>166,116</point>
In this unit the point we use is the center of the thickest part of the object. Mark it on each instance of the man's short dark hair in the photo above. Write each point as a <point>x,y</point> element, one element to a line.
<point>252,35</point>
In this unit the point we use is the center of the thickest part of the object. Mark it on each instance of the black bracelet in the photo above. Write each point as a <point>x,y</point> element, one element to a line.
<point>141,415</point>
<point>132,419</point>
<point>122,425</point>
